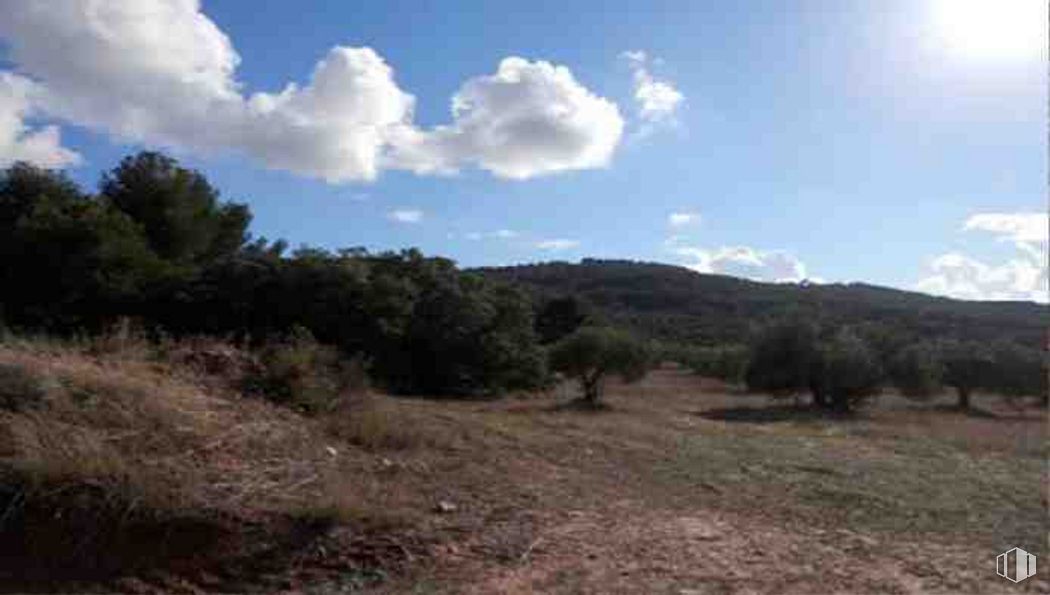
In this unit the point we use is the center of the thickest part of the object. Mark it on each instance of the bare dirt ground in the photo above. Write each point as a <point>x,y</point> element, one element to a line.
<point>681,487</point>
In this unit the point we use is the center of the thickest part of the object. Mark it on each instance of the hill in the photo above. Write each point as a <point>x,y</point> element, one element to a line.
<point>677,304</point>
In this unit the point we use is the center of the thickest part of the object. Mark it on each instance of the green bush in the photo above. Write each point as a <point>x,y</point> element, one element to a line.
<point>727,362</point>
<point>299,372</point>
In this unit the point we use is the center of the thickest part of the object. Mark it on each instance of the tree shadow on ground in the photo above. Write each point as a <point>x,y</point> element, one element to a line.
<point>580,404</point>
<point>773,414</point>
<point>980,413</point>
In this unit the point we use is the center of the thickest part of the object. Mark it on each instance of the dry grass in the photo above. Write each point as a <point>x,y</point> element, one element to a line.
<point>679,484</point>
<point>122,449</point>
<point>664,492</point>
<point>379,423</point>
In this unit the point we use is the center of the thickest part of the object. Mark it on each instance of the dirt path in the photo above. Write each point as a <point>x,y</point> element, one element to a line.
<point>627,550</point>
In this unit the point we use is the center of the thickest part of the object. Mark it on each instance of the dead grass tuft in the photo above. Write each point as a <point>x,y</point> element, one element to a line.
<point>376,423</point>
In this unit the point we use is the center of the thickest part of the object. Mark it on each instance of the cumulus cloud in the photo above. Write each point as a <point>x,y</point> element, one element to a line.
<point>959,276</point>
<point>406,215</point>
<point>743,261</point>
<point>161,72</point>
<point>683,219</point>
<point>657,100</point>
<point>557,244</point>
<point>18,142</point>
<point>527,119</point>
<point>1021,277</point>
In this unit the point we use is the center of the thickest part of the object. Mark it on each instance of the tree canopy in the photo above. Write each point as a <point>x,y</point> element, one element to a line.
<point>158,245</point>
<point>591,354</point>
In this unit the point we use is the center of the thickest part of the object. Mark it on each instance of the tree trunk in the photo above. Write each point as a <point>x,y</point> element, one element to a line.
<point>820,398</point>
<point>592,388</point>
<point>964,397</point>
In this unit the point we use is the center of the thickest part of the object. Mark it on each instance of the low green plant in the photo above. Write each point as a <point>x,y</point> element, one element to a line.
<point>299,372</point>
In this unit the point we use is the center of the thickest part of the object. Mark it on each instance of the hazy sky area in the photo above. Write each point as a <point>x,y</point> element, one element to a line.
<point>898,142</point>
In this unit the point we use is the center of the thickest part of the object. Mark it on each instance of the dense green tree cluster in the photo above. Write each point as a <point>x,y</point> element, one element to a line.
<point>157,244</point>
<point>841,366</point>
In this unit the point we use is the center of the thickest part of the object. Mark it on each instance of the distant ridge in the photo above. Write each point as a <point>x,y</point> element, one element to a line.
<point>678,304</point>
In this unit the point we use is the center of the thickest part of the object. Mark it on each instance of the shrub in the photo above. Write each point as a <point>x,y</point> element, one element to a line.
<point>590,354</point>
<point>728,362</point>
<point>300,372</point>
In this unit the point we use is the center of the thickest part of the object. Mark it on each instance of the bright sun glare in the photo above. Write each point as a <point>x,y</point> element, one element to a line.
<point>993,29</point>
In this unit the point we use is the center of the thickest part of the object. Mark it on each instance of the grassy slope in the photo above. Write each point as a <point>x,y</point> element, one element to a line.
<point>679,486</point>
<point>117,465</point>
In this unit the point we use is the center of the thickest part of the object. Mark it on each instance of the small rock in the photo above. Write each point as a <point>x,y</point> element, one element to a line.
<point>445,506</point>
<point>331,450</point>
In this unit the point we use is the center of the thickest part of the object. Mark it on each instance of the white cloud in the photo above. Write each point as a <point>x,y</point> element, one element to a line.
<point>1023,277</point>
<point>657,100</point>
<point>501,234</point>
<point>1028,231</point>
<point>683,219</point>
<point>406,215</point>
<point>18,142</point>
<point>960,276</point>
<point>747,262</point>
<point>528,119</point>
<point>558,244</point>
<point>161,72</point>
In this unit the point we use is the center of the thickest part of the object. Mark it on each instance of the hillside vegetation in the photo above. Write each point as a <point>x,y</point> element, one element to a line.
<point>676,304</point>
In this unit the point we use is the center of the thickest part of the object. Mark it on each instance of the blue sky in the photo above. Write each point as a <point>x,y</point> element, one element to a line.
<point>895,142</point>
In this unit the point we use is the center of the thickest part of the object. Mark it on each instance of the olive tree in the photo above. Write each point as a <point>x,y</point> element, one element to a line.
<point>967,367</point>
<point>916,371</point>
<point>791,356</point>
<point>849,370</point>
<point>590,354</point>
<point>785,360</point>
<point>1017,371</point>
